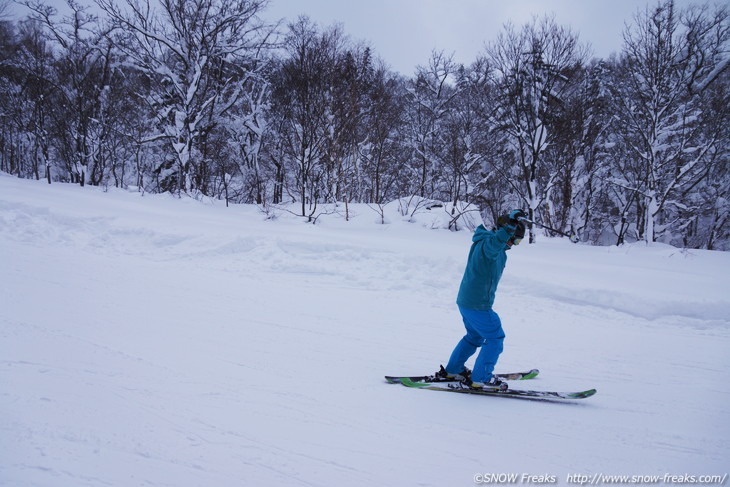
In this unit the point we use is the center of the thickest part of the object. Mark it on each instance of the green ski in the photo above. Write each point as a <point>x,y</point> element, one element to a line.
<point>519,394</point>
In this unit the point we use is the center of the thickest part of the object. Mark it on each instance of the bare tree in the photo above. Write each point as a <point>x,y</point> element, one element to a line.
<point>430,98</point>
<point>707,53</point>
<point>35,61</point>
<point>303,97</point>
<point>383,151</point>
<point>533,70</point>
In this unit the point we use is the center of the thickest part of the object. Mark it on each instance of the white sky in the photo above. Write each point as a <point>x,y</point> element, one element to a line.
<point>404,32</point>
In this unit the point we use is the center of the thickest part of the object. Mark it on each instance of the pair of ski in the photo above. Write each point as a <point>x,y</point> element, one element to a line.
<point>434,383</point>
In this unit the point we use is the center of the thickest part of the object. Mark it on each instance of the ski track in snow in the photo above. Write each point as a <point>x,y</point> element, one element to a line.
<point>163,341</point>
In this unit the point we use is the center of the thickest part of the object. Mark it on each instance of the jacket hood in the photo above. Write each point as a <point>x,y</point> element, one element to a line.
<point>481,233</point>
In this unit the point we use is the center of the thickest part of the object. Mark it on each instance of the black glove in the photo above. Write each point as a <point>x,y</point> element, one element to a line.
<point>517,220</point>
<point>516,217</point>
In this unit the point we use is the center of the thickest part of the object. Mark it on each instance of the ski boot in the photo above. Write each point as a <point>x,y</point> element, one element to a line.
<point>443,376</point>
<point>493,383</point>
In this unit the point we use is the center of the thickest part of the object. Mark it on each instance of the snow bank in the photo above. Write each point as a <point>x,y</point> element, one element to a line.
<point>651,282</point>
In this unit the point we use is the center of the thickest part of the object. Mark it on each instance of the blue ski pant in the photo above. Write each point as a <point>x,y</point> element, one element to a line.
<point>483,329</point>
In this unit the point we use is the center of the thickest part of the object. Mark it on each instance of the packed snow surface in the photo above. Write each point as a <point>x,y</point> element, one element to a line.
<point>163,341</point>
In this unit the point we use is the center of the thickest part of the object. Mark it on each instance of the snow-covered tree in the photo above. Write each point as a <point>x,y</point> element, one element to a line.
<point>660,115</point>
<point>197,56</point>
<point>245,129</point>
<point>185,96</point>
<point>81,75</point>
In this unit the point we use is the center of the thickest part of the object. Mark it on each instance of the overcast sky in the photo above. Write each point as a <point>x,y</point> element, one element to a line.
<point>404,32</point>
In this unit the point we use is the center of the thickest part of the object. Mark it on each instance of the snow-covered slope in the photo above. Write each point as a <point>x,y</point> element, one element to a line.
<point>150,340</point>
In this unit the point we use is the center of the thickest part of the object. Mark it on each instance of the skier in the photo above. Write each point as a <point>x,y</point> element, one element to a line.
<point>487,258</point>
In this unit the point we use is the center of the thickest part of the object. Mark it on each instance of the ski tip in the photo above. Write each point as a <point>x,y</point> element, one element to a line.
<point>408,382</point>
<point>531,374</point>
<point>582,395</point>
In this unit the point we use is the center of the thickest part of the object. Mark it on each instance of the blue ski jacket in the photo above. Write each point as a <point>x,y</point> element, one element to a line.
<point>487,258</point>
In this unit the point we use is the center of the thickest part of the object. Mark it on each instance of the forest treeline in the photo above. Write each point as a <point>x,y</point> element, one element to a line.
<point>203,97</point>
